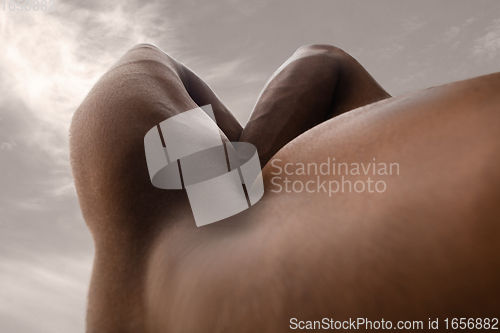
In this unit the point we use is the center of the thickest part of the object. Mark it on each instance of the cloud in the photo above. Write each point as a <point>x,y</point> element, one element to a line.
<point>7,145</point>
<point>394,44</point>
<point>389,51</point>
<point>51,60</point>
<point>412,25</point>
<point>48,63</point>
<point>44,294</point>
<point>488,46</point>
<point>451,34</point>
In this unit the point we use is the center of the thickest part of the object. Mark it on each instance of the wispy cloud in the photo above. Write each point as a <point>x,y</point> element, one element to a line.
<point>488,45</point>
<point>48,63</point>
<point>393,45</point>
<point>413,25</point>
<point>451,34</point>
<point>51,60</point>
<point>51,285</point>
<point>7,145</point>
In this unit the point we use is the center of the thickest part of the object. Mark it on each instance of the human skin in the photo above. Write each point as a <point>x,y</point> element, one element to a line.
<point>427,247</point>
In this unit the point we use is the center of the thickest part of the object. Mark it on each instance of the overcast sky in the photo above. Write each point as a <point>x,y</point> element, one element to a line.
<point>49,61</point>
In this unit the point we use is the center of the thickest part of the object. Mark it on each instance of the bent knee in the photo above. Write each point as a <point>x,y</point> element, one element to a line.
<point>146,49</point>
<point>321,50</point>
<point>318,60</point>
<point>147,45</point>
<point>149,50</point>
<point>149,56</point>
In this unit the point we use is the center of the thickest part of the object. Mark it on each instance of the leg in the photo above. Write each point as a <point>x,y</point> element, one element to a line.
<point>118,202</point>
<point>318,82</point>
<point>145,87</point>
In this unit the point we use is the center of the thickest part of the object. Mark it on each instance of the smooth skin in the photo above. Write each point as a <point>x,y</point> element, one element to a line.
<point>427,247</point>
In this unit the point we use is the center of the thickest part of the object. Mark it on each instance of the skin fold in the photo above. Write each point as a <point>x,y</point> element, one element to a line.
<point>426,247</point>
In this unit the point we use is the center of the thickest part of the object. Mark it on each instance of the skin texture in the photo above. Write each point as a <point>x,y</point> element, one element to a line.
<point>427,247</point>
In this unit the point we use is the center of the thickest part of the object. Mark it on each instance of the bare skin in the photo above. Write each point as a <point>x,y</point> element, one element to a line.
<point>427,247</point>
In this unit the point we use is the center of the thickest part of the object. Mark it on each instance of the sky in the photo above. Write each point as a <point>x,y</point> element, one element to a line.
<point>50,60</point>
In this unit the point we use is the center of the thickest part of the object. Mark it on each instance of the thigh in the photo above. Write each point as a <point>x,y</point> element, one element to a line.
<point>121,207</point>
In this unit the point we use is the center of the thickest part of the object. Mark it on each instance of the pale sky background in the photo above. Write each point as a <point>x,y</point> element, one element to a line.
<point>49,61</point>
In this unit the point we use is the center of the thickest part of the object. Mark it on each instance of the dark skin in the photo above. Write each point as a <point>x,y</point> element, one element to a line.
<point>427,247</point>
<point>317,83</point>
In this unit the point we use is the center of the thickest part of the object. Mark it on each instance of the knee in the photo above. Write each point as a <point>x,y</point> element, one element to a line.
<point>141,53</point>
<point>322,51</point>
<point>147,56</point>
<point>147,48</point>
<point>319,60</point>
